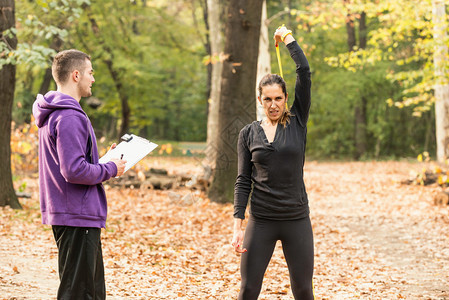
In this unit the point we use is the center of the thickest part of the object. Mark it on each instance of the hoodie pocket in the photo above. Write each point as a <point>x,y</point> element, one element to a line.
<point>91,205</point>
<point>75,198</point>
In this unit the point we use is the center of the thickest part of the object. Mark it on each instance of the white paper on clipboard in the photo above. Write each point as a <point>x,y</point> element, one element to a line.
<point>132,150</point>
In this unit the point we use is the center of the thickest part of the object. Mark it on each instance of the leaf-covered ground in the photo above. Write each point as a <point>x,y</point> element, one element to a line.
<point>374,239</point>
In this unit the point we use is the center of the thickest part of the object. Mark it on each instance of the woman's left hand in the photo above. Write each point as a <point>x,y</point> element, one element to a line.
<point>280,33</point>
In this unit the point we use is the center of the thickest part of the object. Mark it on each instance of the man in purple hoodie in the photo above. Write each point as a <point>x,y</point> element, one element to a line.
<point>72,196</point>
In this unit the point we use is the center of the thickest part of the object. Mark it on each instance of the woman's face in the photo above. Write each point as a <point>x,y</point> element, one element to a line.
<point>273,101</point>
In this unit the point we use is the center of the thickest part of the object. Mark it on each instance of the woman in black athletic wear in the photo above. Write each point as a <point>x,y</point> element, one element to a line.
<point>270,168</point>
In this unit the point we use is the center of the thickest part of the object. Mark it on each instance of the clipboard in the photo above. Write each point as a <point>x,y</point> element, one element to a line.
<point>132,149</point>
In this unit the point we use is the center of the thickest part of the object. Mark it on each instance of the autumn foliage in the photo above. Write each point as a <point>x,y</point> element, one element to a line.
<point>375,238</point>
<point>24,148</point>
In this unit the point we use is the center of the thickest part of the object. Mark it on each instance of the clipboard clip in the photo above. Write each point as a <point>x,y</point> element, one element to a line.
<point>127,137</point>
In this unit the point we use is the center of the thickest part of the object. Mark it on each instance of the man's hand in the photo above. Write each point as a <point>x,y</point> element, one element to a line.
<point>120,163</point>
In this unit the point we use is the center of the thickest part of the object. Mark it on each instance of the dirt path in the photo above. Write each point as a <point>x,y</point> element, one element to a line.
<point>390,241</point>
<point>374,239</point>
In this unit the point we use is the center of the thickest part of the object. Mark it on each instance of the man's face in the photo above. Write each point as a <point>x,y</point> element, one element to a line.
<point>86,80</point>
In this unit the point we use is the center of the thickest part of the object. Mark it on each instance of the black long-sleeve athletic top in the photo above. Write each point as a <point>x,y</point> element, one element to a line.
<point>273,172</point>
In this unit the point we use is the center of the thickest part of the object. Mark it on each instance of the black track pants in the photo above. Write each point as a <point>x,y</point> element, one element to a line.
<point>80,260</point>
<point>260,240</point>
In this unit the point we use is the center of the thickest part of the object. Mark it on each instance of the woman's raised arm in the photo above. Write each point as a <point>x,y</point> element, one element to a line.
<point>301,103</point>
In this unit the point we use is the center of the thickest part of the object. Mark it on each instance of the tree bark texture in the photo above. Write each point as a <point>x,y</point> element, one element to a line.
<point>216,32</point>
<point>264,61</point>
<point>442,87</point>
<point>237,107</point>
<point>7,86</point>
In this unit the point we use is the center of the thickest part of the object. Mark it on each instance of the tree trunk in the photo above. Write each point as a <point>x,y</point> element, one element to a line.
<point>45,85</point>
<point>264,62</point>
<point>429,132</point>
<point>360,127</point>
<point>237,107</point>
<point>7,86</point>
<point>360,121</point>
<point>48,78</point>
<point>215,8</point>
<point>441,88</point>
<point>126,111</point>
<point>362,31</point>
<point>207,45</point>
<point>360,107</point>
<point>350,30</point>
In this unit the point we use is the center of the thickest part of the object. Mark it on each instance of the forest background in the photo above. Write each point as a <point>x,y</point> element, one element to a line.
<point>376,71</point>
<point>372,86</point>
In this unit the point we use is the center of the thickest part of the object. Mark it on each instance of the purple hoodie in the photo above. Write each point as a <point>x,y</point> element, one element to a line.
<point>71,192</point>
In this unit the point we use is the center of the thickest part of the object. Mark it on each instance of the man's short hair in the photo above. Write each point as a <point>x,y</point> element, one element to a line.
<point>67,61</point>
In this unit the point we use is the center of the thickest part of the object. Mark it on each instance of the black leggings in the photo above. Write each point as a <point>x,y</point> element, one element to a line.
<point>297,243</point>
